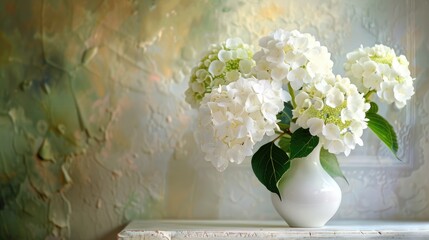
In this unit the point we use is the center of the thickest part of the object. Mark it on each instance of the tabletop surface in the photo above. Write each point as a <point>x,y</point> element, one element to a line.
<point>235,229</point>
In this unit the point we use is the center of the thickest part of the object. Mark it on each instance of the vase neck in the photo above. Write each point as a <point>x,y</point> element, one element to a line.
<point>312,159</point>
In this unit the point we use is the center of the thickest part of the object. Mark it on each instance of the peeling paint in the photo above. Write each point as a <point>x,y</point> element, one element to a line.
<point>59,215</point>
<point>89,54</point>
<point>45,151</point>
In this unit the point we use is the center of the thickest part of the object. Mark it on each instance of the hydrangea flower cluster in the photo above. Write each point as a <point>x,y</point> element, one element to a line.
<point>241,100</point>
<point>291,57</point>
<point>334,110</point>
<point>234,117</point>
<point>222,64</point>
<point>379,69</point>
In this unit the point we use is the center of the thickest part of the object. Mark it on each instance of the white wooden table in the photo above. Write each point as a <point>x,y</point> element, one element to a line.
<point>219,229</point>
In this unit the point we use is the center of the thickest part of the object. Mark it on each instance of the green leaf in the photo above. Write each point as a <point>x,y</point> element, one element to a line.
<point>283,127</point>
<point>284,144</point>
<point>383,130</point>
<point>302,143</point>
<point>269,164</point>
<point>373,108</point>
<point>330,164</point>
<point>285,116</point>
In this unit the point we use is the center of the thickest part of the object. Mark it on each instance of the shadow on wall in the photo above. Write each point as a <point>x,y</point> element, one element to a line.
<point>196,196</point>
<point>113,233</point>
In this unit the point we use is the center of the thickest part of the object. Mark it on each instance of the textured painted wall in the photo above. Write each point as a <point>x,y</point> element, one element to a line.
<point>95,132</point>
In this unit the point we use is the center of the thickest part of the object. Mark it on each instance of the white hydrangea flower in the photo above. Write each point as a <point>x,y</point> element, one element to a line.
<point>334,110</point>
<point>234,117</point>
<point>379,69</point>
<point>222,64</point>
<point>291,57</point>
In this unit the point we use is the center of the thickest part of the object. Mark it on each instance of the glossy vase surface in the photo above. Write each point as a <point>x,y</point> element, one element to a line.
<point>310,196</point>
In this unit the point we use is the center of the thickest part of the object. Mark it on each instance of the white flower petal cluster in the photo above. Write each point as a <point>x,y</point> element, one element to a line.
<point>291,57</point>
<point>224,63</point>
<point>379,69</point>
<point>334,110</point>
<point>233,117</point>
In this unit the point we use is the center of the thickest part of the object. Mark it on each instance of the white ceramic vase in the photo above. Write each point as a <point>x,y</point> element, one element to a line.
<point>310,196</point>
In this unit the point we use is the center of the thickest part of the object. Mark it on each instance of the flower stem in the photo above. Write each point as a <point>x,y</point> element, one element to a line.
<point>281,135</point>
<point>367,96</point>
<point>292,95</point>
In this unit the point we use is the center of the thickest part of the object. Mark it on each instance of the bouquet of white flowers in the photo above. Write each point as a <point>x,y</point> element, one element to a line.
<point>287,90</point>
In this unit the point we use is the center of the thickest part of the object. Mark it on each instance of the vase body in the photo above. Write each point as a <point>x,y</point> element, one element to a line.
<point>310,196</point>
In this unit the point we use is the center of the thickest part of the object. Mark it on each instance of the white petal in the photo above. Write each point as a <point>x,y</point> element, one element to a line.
<point>258,88</point>
<point>263,42</point>
<point>399,68</point>
<point>206,63</point>
<point>369,67</point>
<point>400,104</point>
<point>403,92</point>
<point>280,72</point>
<point>299,42</point>
<point>242,54</point>
<point>224,55</point>
<point>259,55</point>
<point>349,140</point>
<point>245,66</point>
<point>285,96</point>
<point>280,34</point>
<point>233,43</point>
<point>358,141</point>
<point>201,73</point>
<point>322,86</point>
<point>220,164</point>
<point>300,98</point>
<point>331,131</point>
<point>232,76</point>
<point>263,75</point>
<point>355,103</point>
<point>302,120</point>
<point>267,110</point>
<point>307,104</point>
<point>276,56</point>
<point>198,87</point>
<point>334,98</point>
<point>315,125</point>
<point>297,75</point>
<point>295,61</point>
<point>372,81</point>
<point>216,67</point>
<point>347,150</point>
<point>219,118</point>
<point>296,85</point>
<point>357,70</point>
<point>346,115</point>
<point>217,82</point>
<point>263,65</point>
<point>278,85</point>
<point>336,146</point>
<point>252,104</point>
<point>318,103</point>
<point>386,92</point>
<point>356,128</point>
